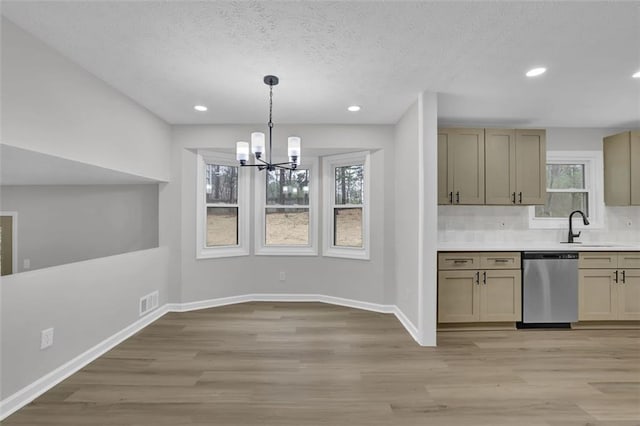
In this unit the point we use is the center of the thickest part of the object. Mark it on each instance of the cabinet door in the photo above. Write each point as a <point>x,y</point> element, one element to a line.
<point>531,166</point>
<point>443,168</point>
<point>500,163</point>
<point>597,294</point>
<point>617,173</point>
<point>500,295</point>
<point>635,168</point>
<point>458,296</point>
<point>466,157</point>
<point>629,295</point>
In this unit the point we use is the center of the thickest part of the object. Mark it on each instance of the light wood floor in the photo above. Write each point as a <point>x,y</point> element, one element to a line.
<point>317,364</point>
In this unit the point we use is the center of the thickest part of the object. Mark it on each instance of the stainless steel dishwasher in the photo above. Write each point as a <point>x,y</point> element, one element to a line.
<point>549,287</point>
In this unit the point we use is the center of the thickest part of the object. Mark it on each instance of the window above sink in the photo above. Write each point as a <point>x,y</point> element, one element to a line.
<point>574,182</point>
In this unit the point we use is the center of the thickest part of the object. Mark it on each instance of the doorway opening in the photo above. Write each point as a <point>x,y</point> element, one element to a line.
<point>8,238</point>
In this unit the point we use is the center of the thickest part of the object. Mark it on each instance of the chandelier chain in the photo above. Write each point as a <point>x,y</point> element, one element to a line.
<point>270,105</point>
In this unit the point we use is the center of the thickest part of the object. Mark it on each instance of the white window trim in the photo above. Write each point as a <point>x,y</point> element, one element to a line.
<point>595,187</point>
<point>14,236</point>
<point>328,165</point>
<point>261,249</point>
<point>242,249</point>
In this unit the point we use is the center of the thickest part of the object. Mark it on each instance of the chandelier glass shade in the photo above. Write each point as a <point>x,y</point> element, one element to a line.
<point>262,158</point>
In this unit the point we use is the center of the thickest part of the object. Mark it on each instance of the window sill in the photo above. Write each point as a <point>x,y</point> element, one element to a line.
<point>213,253</point>
<point>347,253</point>
<point>286,251</point>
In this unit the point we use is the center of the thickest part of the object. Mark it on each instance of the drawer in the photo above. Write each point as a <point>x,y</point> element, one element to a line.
<point>629,260</point>
<point>458,260</point>
<point>500,260</point>
<point>598,260</point>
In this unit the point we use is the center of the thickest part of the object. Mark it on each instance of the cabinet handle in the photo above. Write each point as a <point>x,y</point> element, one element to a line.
<point>458,197</point>
<point>451,197</point>
<point>616,277</point>
<point>514,197</point>
<point>624,277</point>
<point>501,260</point>
<point>484,278</point>
<point>477,278</point>
<point>520,197</point>
<point>460,261</point>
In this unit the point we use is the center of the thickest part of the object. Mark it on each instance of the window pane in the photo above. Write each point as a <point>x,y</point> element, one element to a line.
<point>565,176</point>
<point>286,226</point>
<point>222,226</point>
<point>222,184</point>
<point>561,204</point>
<point>347,227</point>
<point>288,187</point>
<point>349,184</point>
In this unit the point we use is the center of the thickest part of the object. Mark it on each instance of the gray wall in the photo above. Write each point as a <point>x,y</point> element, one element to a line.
<point>364,280</point>
<point>91,300</point>
<point>64,224</point>
<point>407,213</point>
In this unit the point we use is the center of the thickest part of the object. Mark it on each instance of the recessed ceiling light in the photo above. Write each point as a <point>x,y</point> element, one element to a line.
<point>536,72</point>
<point>354,108</point>
<point>200,108</point>
<point>636,75</point>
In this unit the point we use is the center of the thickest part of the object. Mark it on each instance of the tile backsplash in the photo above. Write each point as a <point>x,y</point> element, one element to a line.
<point>510,224</point>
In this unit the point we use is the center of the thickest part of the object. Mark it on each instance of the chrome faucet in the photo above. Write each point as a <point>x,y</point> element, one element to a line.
<point>584,220</point>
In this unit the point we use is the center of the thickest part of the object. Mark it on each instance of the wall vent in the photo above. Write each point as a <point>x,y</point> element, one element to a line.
<point>148,303</point>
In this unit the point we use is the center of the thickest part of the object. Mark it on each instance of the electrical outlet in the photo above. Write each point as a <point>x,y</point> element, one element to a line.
<point>26,264</point>
<point>46,338</point>
<point>283,276</point>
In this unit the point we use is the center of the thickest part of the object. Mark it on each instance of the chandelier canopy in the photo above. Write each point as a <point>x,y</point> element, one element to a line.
<point>258,142</point>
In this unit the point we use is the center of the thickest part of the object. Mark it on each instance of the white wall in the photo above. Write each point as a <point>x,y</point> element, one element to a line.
<point>51,105</point>
<point>407,215</point>
<point>366,281</point>
<point>482,223</point>
<point>71,223</point>
<point>85,302</point>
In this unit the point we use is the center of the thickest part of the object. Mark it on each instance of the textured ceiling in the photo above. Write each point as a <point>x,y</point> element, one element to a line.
<point>169,56</point>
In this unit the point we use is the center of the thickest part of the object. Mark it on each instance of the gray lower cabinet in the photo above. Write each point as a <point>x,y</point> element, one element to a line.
<point>468,294</point>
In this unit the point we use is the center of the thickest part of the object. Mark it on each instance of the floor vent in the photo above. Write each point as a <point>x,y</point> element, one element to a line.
<point>148,303</point>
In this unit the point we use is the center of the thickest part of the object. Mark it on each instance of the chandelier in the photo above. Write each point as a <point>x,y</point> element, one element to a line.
<point>257,142</point>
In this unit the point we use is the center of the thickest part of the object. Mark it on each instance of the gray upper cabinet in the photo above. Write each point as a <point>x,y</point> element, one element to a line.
<point>512,172</point>
<point>515,166</point>
<point>622,169</point>
<point>461,166</point>
<point>500,166</point>
<point>531,166</point>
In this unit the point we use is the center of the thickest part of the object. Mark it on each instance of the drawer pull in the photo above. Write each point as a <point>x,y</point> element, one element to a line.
<point>502,260</point>
<point>624,277</point>
<point>460,260</point>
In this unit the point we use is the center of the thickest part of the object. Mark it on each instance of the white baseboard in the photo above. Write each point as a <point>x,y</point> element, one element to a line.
<point>30,392</point>
<point>407,324</point>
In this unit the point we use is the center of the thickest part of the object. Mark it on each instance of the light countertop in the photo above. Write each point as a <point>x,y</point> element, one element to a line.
<point>537,246</point>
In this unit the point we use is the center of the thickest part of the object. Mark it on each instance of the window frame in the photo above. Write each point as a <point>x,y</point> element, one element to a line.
<point>205,157</point>
<point>311,249</point>
<point>329,164</point>
<point>594,187</point>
